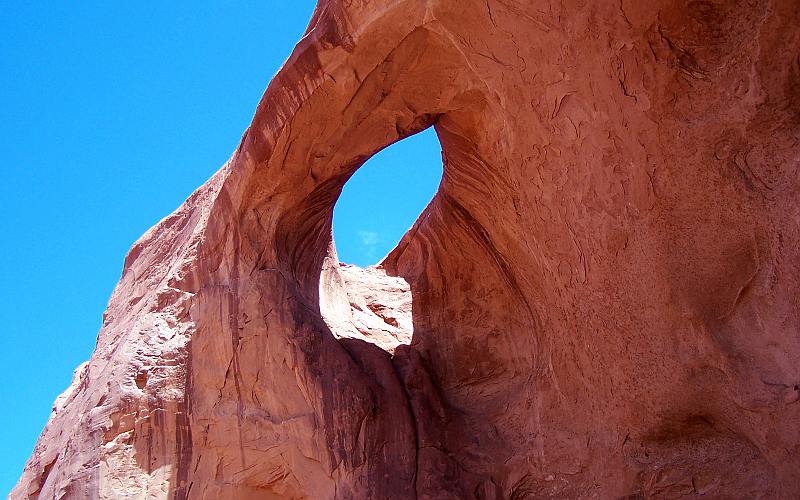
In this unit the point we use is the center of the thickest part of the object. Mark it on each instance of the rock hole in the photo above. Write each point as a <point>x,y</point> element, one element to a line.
<point>377,206</point>
<point>141,379</point>
<point>384,198</point>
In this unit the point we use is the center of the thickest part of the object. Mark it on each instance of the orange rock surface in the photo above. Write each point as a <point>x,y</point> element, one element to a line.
<point>600,301</point>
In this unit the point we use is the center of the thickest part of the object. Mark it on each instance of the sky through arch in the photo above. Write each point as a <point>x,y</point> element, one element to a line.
<point>384,197</point>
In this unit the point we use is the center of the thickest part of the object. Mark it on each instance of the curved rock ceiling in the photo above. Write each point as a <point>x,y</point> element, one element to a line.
<point>600,301</point>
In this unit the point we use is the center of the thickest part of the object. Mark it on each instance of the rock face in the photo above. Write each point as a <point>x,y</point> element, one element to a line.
<point>601,300</point>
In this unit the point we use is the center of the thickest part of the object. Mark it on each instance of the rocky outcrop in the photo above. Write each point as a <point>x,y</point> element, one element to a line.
<point>601,299</point>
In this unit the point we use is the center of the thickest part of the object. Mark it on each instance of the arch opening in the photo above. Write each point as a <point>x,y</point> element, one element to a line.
<point>384,198</point>
<point>377,206</point>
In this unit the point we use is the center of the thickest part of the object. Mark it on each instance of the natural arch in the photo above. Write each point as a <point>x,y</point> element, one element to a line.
<point>589,319</point>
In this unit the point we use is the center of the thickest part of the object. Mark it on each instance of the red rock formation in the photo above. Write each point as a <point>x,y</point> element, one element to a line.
<point>604,291</point>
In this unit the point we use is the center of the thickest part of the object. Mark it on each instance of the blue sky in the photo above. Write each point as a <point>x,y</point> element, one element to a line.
<point>384,198</point>
<point>111,115</point>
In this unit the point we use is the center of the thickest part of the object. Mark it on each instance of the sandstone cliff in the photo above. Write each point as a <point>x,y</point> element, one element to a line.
<point>601,300</point>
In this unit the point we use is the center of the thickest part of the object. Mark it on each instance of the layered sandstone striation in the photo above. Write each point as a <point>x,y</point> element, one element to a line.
<point>600,301</point>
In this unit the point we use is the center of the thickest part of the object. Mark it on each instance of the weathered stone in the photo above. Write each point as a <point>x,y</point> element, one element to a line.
<point>604,291</point>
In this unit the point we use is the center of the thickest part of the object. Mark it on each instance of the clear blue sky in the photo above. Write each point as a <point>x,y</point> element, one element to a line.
<point>111,115</point>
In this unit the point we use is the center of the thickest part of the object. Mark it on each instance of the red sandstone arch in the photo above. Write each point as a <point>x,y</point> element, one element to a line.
<point>604,287</point>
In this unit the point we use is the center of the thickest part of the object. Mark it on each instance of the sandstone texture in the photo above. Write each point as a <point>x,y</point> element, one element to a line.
<point>600,301</point>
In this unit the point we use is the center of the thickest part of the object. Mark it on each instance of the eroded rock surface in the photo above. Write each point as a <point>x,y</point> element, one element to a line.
<point>366,304</point>
<point>604,291</point>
